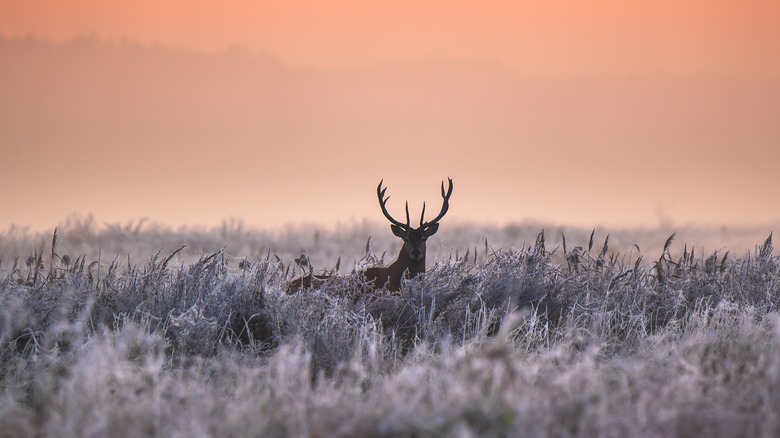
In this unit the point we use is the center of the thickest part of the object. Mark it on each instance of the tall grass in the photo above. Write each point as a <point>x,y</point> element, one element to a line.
<point>573,338</point>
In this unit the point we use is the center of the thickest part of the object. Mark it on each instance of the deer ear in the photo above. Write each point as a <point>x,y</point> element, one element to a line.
<point>431,230</point>
<point>398,231</point>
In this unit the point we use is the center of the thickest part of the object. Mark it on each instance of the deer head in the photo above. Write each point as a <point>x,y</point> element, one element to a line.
<point>414,238</point>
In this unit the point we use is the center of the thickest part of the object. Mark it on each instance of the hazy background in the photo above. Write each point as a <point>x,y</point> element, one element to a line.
<point>604,113</point>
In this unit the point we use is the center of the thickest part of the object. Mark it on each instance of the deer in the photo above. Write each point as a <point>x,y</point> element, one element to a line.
<point>411,259</point>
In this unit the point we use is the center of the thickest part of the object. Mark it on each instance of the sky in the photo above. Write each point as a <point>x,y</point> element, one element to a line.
<point>552,37</point>
<point>603,113</point>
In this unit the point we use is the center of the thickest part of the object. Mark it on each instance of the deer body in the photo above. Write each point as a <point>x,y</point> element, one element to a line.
<point>391,275</point>
<point>304,282</point>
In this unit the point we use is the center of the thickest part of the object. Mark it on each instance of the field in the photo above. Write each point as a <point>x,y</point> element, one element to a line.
<point>530,330</point>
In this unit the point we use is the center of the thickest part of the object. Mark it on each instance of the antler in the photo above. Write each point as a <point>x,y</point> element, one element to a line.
<point>380,193</point>
<point>445,206</point>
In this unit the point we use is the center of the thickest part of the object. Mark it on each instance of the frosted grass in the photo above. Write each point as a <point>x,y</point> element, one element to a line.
<point>102,332</point>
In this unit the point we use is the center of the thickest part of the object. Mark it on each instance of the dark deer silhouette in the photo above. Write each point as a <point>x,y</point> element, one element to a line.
<point>411,259</point>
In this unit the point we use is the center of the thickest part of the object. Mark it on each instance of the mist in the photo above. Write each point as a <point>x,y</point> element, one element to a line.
<point>124,130</point>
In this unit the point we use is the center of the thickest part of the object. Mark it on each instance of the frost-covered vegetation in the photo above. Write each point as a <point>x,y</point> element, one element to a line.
<point>123,331</point>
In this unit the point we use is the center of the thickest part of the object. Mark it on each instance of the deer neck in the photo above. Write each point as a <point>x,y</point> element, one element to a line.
<point>404,263</point>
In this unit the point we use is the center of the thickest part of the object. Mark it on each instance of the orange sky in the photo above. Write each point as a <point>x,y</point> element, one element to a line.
<point>561,37</point>
<point>588,113</point>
